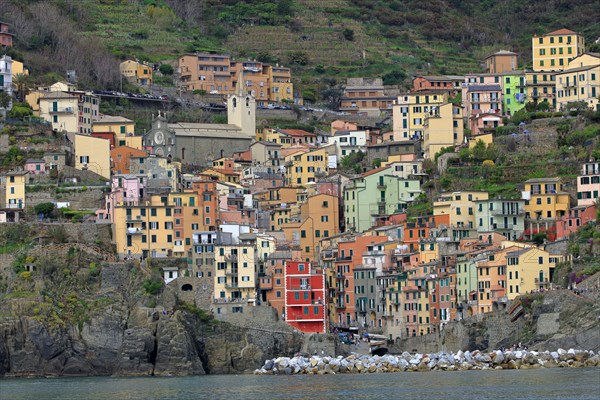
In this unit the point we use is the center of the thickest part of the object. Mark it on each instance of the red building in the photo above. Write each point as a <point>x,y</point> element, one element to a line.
<point>6,37</point>
<point>577,217</point>
<point>305,304</point>
<point>448,83</point>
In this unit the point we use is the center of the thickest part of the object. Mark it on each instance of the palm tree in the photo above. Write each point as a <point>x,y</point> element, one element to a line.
<point>21,84</point>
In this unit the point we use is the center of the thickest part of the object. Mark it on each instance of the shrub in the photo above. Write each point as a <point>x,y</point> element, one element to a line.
<point>152,286</point>
<point>166,69</point>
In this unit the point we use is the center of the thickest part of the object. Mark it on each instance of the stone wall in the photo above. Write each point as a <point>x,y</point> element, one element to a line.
<point>91,199</point>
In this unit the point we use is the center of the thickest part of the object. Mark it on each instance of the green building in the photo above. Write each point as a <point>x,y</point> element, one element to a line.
<point>376,194</point>
<point>514,92</point>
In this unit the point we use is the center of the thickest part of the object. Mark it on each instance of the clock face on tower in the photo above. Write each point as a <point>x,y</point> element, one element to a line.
<point>159,137</point>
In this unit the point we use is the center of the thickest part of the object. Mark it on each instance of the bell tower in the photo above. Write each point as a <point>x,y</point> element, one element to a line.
<point>241,108</point>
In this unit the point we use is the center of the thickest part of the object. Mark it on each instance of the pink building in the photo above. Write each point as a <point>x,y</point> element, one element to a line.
<point>126,189</point>
<point>588,184</point>
<point>35,167</point>
<point>305,301</point>
<point>577,217</point>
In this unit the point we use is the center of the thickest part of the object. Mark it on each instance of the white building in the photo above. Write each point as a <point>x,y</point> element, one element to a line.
<point>347,142</point>
<point>6,78</point>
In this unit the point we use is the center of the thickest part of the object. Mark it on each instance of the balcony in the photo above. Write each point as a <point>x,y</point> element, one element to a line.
<point>64,110</point>
<point>299,287</point>
<point>231,272</point>
<point>339,276</point>
<point>381,186</point>
<point>520,211</point>
<point>542,282</point>
<point>344,258</point>
<point>340,305</point>
<point>134,231</point>
<point>231,257</point>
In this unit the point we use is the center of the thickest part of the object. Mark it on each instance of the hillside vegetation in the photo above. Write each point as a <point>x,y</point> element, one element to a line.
<point>318,39</point>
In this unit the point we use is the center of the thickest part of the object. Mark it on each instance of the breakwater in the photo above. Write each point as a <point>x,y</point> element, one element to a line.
<point>406,362</point>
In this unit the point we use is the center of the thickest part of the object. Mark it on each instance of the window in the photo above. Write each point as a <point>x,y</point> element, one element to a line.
<point>84,159</point>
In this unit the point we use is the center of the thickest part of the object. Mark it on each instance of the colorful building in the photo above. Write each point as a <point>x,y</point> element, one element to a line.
<point>450,84</point>
<point>318,218</point>
<point>588,184</point>
<point>410,111</point>
<point>6,36</point>
<point>35,167</point>
<point>553,51</point>
<point>92,154</point>
<point>305,297</point>
<point>443,127</point>
<point>61,110</point>
<point>305,167</point>
<point>545,199</point>
<point>121,158</point>
<point>365,96</point>
<point>500,62</point>
<point>528,270</point>
<point>137,72</point>
<point>460,206</point>
<point>122,128</point>
<point>514,93</point>
<point>541,86</point>
<point>579,82</point>
<point>376,194</point>
<point>504,216</point>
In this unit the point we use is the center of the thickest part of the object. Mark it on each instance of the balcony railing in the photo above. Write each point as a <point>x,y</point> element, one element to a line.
<point>300,287</point>
<point>231,257</point>
<point>340,304</point>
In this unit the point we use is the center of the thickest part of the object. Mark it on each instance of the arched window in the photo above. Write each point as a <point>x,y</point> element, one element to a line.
<point>187,288</point>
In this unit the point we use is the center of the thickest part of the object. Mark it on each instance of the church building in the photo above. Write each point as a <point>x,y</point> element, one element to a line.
<point>198,143</point>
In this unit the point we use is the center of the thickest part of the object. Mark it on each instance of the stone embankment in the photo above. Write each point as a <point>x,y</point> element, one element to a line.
<point>406,362</point>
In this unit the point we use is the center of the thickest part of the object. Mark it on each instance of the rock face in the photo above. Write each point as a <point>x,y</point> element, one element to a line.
<point>127,339</point>
<point>406,362</point>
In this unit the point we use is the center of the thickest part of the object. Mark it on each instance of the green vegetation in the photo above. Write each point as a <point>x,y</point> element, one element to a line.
<point>389,39</point>
<point>152,286</point>
<point>352,163</point>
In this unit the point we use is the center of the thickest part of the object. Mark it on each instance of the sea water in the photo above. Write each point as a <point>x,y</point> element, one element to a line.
<point>558,383</point>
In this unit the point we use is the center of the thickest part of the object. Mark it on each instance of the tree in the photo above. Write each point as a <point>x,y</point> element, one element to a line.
<point>44,208</point>
<point>21,85</point>
<point>4,99</point>
<point>166,69</point>
<point>348,34</point>
<point>479,151</point>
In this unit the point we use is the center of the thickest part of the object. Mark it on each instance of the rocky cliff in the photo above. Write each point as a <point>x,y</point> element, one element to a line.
<point>80,322</point>
<point>552,320</point>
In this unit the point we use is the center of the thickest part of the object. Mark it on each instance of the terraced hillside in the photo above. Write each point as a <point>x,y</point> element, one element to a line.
<point>318,39</point>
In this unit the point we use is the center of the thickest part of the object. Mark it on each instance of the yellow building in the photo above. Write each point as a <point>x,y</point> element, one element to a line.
<point>92,154</point>
<point>144,230</point>
<point>18,68</point>
<point>545,199</point>
<point>580,81</point>
<point>554,50</point>
<point>541,87</point>
<point>281,86</point>
<point>410,111</point>
<point>443,127</point>
<point>60,109</point>
<point>318,219</point>
<point>136,72</point>
<point>461,208</point>
<point>235,272</point>
<point>305,167</point>
<point>121,127</point>
<point>529,269</point>
<point>12,190</point>
<point>187,219</point>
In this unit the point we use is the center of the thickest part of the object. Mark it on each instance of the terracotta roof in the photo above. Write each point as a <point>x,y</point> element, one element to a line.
<point>374,171</point>
<point>563,31</point>
<point>296,132</point>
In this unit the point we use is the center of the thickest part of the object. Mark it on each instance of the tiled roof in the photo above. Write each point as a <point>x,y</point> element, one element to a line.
<point>563,31</point>
<point>374,171</point>
<point>296,132</point>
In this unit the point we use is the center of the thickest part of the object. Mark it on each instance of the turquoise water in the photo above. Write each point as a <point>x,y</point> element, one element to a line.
<point>522,384</point>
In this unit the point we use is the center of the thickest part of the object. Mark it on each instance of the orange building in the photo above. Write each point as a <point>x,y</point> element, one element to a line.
<point>500,62</point>
<point>120,158</point>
